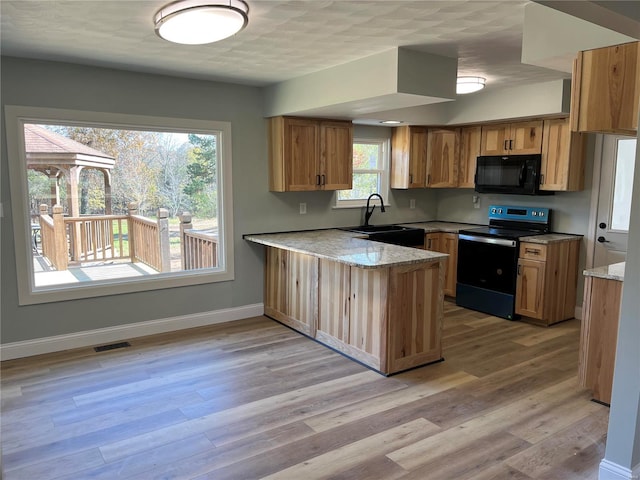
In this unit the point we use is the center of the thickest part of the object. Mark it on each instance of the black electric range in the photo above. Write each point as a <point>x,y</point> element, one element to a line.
<point>488,258</point>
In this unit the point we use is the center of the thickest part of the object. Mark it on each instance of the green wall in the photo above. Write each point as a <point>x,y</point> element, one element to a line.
<point>255,209</point>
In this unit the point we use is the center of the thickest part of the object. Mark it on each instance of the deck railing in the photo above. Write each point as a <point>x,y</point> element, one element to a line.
<point>198,248</point>
<point>149,239</point>
<point>54,246</point>
<point>105,237</point>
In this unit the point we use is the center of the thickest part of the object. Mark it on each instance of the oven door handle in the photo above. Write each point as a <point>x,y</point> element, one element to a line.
<point>491,240</point>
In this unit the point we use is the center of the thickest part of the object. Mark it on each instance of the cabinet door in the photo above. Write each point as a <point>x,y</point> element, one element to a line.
<point>495,139</point>
<point>432,241</point>
<point>301,159</point>
<point>470,139</point>
<point>442,158</point>
<point>525,137</point>
<point>605,90</point>
<point>449,244</point>
<point>418,141</point>
<point>562,157</point>
<point>530,288</point>
<point>336,155</point>
<point>409,157</point>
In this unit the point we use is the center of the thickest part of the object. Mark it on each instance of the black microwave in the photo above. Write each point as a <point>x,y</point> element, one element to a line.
<point>512,174</point>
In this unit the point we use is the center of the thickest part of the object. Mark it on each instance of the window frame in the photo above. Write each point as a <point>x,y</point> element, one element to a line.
<point>28,293</point>
<point>384,145</point>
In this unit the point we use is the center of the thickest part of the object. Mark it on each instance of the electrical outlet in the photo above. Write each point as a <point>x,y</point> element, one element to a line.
<point>476,201</point>
<point>412,203</point>
<point>303,209</point>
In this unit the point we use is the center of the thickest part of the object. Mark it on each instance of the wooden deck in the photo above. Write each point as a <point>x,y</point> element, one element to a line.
<point>252,399</point>
<point>45,276</point>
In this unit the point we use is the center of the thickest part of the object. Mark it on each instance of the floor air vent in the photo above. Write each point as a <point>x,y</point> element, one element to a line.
<point>104,348</point>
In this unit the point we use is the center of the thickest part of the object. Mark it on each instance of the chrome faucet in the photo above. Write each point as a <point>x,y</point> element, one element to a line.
<point>367,213</point>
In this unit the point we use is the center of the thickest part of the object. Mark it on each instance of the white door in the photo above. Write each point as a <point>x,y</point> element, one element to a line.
<point>614,201</point>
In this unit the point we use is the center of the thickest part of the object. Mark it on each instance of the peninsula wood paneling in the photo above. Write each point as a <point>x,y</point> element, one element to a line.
<point>415,312</point>
<point>369,315</point>
<point>275,284</point>
<point>302,292</point>
<point>601,315</point>
<point>334,300</point>
<point>291,289</point>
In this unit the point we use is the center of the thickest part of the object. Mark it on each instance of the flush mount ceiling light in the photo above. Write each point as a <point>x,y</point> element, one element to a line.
<point>391,122</point>
<point>195,22</point>
<point>469,84</point>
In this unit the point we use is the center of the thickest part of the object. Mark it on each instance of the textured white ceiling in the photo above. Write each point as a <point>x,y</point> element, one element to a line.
<point>284,38</point>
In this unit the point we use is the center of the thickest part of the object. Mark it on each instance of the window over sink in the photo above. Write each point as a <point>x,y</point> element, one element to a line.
<point>370,173</point>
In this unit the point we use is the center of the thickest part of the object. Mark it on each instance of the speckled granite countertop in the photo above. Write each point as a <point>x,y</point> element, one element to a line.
<point>346,247</point>
<point>609,272</point>
<point>551,238</point>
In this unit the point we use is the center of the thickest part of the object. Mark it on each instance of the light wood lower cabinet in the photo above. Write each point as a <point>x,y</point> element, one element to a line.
<point>547,281</point>
<point>599,334</point>
<point>387,318</point>
<point>446,243</point>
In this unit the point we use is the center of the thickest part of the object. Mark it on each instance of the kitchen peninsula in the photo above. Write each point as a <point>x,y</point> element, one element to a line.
<point>377,303</point>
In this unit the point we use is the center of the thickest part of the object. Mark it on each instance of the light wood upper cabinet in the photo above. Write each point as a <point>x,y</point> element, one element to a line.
<point>470,138</point>
<point>336,155</point>
<point>442,157</point>
<point>563,159</point>
<point>309,154</point>
<point>512,138</point>
<point>605,90</point>
<point>547,281</point>
<point>409,157</point>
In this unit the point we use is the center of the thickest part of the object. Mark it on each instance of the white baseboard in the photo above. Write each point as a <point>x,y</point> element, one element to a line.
<point>87,338</point>
<point>613,471</point>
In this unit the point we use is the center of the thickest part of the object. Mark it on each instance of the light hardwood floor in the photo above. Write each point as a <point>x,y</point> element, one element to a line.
<point>253,399</point>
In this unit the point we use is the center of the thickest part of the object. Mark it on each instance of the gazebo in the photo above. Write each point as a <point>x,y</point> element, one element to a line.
<point>60,157</point>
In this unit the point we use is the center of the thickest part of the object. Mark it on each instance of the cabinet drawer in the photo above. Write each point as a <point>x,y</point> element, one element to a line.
<point>533,251</point>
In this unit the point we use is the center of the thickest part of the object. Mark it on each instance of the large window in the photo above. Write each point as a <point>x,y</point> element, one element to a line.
<point>370,173</point>
<point>104,204</point>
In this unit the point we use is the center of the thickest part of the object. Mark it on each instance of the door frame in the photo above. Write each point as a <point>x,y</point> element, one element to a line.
<point>590,237</point>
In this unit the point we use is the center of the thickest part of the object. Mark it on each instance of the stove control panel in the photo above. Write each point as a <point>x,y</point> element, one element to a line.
<point>519,213</point>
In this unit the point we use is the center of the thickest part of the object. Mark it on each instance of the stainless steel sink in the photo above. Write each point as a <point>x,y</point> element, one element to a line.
<point>395,234</point>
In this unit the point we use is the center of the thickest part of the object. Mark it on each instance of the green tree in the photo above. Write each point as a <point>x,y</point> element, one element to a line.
<point>202,184</point>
